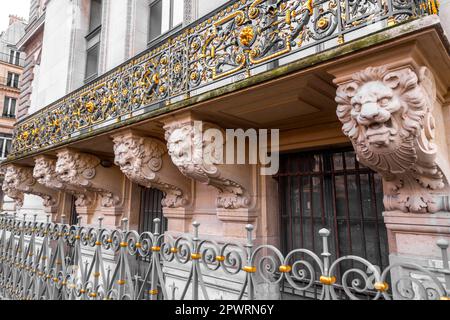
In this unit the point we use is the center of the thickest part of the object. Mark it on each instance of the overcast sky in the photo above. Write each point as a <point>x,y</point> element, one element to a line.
<point>18,7</point>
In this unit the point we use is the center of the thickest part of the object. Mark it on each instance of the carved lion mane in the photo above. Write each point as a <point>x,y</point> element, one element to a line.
<point>76,168</point>
<point>388,117</point>
<point>138,156</point>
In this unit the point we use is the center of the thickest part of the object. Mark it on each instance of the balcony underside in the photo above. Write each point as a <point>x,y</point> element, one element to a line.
<point>297,98</point>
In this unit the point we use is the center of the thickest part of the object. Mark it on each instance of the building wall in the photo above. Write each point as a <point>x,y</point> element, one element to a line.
<point>31,45</point>
<point>445,15</point>
<point>8,42</point>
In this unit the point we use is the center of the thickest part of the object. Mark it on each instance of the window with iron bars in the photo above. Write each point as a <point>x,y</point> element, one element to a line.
<point>331,189</point>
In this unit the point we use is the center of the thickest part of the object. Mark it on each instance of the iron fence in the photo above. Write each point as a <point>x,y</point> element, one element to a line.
<point>48,261</point>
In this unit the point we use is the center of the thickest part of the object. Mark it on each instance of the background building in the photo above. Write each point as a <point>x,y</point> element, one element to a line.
<point>11,67</point>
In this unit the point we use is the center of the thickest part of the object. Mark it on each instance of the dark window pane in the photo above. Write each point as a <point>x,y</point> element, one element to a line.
<point>11,57</point>
<point>151,209</point>
<point>156,19</point>
<point>8,147</point>
<point>5,106</point>
<point>95,15</point>
<point>12,111</point>
<point>92,62</point>
<point>9,81</point>
<point>2,143</point>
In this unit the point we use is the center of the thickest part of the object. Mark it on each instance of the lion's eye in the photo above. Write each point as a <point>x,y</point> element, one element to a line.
<point>357,107</point>
<point>384,101</point>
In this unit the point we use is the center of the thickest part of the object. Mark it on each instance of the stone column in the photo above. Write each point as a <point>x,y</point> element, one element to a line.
<point>103,186</point>
<point>393,118</point>
<point>19,180</point>
<point>145,161</point>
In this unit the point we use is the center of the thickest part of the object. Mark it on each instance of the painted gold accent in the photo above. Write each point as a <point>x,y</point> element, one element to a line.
<point>327,280</point>
<point>285,269</point>
<point>246,36</point>
<point>196,256</point>
<point>323,23</point>
<point>156,249</point>
<point>138,245</point>
<point>121,282</point>
<point>173,250</point>
<point>90,107</point>
<point>249,269</point>
<point>123,245</point>
<point>391,22</point>
<point>153,292</point>
<point>381,286</point>
<point>341,39</point>
<point>220,258</point>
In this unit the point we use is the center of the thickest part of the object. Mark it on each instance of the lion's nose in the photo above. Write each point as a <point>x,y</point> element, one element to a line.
<point>369,111</point>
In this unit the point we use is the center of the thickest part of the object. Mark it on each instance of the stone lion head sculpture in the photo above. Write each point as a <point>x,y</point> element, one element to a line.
<point>181,144</point>
<point>384,113</point>
<point>45,172</point>
<point>76,168</point>
<point>16,179</point>
<point>138,157</point>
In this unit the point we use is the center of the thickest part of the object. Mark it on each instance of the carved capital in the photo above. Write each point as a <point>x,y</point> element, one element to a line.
<point>84,172</point>
<point>388,115</point>
<point>19,181</point>
<point>189,150</point>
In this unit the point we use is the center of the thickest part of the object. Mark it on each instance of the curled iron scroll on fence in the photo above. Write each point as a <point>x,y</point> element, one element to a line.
<point>49,261</point>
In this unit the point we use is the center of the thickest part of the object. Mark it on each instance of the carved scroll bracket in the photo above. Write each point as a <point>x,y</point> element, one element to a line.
<point>84,172</point>
<point>388,116</point>
<point>145,161</point>
<point>19,180</point>
<point>45,173</point>
<point>189,149</point>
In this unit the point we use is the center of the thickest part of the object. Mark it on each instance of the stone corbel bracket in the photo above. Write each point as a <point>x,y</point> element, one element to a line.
<point>189,150</point>
<point>145,161</point>
<point>19,180</point>
<point>388,115</point>
<point>45,174</point>
<point>84,172</point>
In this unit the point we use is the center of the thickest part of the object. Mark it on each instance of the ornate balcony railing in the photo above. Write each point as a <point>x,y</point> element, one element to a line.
<point>47,261</point>
<point>231,41</point>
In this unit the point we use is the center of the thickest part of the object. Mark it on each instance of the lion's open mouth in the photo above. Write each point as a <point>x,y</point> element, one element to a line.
<point>379,134</point>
